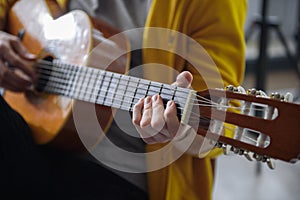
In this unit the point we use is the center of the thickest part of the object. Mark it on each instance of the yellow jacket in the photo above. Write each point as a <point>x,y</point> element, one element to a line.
<point>217,25</point>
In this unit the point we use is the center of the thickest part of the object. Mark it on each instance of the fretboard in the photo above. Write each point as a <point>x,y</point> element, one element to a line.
<point>107,88</point>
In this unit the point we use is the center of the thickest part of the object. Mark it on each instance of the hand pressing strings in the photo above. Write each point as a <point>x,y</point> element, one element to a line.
<point>154,122</point>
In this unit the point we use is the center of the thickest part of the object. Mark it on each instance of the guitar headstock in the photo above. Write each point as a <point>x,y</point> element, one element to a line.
<point>264,127</point>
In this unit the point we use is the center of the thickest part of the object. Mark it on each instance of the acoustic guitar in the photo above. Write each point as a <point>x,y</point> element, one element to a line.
<point>69,37</point>
<point>264,126</point>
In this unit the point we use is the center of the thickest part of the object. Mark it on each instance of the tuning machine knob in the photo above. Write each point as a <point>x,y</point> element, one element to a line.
<point>270,163</point>
<point>247,155</point>
<point>225,149</point>
<point>265,159</point>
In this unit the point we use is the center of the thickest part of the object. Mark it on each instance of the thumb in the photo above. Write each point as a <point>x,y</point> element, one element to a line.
<point>184,79</point>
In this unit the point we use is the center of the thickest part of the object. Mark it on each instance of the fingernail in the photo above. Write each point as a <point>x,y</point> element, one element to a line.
<point>148,100</point>
<point>170,103</point>
<point>31,56</point>
<point>141,100</point>
<point>155,97</point>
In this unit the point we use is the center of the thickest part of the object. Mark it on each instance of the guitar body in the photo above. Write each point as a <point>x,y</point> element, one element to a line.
<point>68,38</point>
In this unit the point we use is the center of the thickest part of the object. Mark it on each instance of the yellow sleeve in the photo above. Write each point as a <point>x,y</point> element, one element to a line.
<point>222,37</point>
<point>218,26</point>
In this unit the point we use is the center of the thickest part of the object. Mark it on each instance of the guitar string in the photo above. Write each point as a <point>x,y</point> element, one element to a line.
<point>92,74</point>
<point>193,115</point>
<point>60,80</point>
<point>200,97</point>
<point>204,101</point>
<point>50,66</point>
<point>63,91</point>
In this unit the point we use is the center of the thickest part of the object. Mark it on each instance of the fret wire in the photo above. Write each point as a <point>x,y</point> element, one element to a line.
<point>91,84</point>
<point>102,82</point>
<point>74,71</point>
<point>82,90</point>
<point>132,86</point>
<point>160,89</point>
<point>137,93</point>
<point>44,65</point>
<point>134,93</point>
<point>184,92</point>
<point>117,88</point>
<point>173,96</point>
<point>77,85</point>
<point>105,97</point>
<point>129,108</point>
<point>80,83</point>
<point>87,83</point>
<point>178,107</point>
<point>148,89</point>
<point>68,75</point>
<point>63,74</point>
<point>131,101</point>
<point>123,96</point>
<point>107,91</point>
<point>100,86</point>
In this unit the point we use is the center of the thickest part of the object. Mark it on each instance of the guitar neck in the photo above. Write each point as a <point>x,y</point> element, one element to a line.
<point>276,132</point>
<point>108,88</point>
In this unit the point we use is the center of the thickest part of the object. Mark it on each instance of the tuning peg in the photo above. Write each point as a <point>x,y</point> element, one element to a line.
<point>261,93</point>
<point>229,88</point>
<point>225,149</point>
<point>247,155</point>
<point>234,149</point>
<point>241,90</point>
<point>277,96</point>
<point>219,144</point>
<point>288,97</point>
<point>241,152</point>
<point>257,157</point>
<point>270,163</point>
<point>252,91</point>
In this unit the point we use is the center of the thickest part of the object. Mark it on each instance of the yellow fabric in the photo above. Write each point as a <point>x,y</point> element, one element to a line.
<point>218,26</point>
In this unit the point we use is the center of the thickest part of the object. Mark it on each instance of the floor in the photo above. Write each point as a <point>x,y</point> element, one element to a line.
<point>237,178</point>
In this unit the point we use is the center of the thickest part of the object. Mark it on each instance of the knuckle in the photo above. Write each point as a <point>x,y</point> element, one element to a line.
<point>136,121</point>
<point>157,124</point>
<point>3,47</point>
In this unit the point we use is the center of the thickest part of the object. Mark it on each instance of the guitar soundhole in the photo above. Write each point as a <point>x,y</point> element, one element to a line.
<point>36,95</point>
<point>44,73</point>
